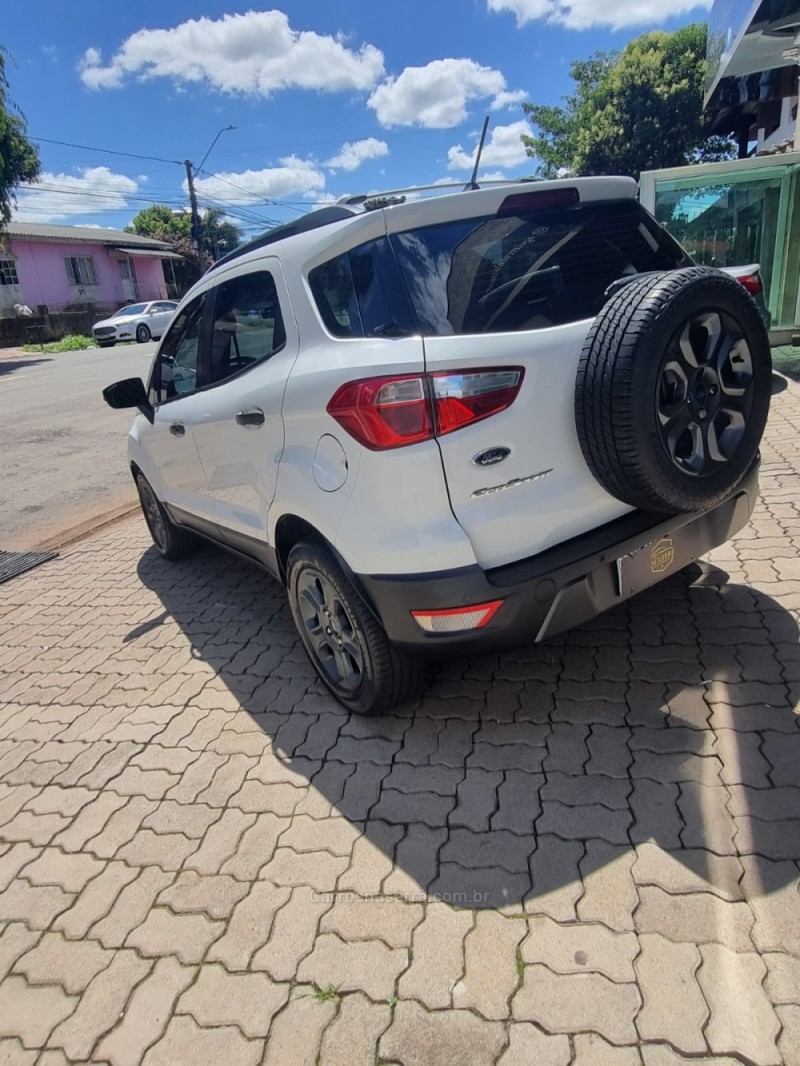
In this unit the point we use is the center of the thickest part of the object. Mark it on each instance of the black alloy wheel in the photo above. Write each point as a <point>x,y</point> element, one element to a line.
<point>705,394</point>
<point>330,631</point>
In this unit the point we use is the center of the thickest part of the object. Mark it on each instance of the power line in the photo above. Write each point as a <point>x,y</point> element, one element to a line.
<point>250,192</point>
<point>107,151</point>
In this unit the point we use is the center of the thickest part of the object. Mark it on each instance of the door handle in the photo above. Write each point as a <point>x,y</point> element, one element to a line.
<point>177,429</point>
<point>253,416</point>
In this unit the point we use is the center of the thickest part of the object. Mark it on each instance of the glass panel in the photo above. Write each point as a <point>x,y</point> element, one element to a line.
<point>360,293</point>
<point>733,219</point>
<point>175,369</point>
<point>8,272</point>
<point>528,271</point>
<point>248,327</point>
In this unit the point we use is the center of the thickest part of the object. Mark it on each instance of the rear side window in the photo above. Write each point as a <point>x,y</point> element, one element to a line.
<point>527,271</point>
<point>360,294</point>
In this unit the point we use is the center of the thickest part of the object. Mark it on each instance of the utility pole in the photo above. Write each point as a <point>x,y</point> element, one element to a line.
<point>190,172</point>
<point>193,202</point>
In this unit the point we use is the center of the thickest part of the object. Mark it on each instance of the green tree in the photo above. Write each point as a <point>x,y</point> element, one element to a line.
<point>218,236</point>
<point>19,160</point>
<point>634,110</point>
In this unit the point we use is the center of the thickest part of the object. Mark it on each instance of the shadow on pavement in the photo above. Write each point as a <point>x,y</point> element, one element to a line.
<point>516,777</point>
<point>10,366</point>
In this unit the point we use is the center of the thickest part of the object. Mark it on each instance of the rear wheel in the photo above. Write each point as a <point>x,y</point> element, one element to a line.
<point>170,540</point>
<point>348,647</point>
<point>142,333</point>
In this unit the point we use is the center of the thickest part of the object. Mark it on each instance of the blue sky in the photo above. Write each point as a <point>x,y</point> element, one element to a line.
<point>327,98</point>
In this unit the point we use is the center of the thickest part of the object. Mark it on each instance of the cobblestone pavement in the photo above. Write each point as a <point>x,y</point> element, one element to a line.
<point>584,852</point>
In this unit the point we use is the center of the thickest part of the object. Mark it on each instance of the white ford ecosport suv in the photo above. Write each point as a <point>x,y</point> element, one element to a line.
<point>456,423</point>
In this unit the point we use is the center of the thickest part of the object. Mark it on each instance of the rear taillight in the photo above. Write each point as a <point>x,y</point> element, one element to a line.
<point>752,282</point>
<point>391,412</point>
<point>386,412</point>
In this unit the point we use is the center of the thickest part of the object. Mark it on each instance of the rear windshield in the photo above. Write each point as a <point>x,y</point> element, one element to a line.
<point>526,272</point>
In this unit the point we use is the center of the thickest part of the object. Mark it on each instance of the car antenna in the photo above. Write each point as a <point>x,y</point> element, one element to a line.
<point>473,184</point>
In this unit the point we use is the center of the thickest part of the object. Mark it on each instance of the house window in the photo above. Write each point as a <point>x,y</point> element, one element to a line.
<point>80,269</point>
<point>8,272</point>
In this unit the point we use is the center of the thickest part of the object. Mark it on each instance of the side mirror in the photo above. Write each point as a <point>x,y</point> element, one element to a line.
<point>129,393</point>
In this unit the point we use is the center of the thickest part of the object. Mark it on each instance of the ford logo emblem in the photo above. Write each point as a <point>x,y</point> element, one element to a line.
<point>491,456</point>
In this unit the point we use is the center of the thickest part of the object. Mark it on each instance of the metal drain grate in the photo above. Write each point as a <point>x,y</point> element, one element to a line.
<point>12,564</point>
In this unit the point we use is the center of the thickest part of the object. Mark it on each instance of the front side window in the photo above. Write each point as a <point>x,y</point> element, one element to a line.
<point>248,325</point>
<point>176,367</point>
<point>8,272</point>
<point>80,269</point>
<point>360,293</point>
<point>546,267</point>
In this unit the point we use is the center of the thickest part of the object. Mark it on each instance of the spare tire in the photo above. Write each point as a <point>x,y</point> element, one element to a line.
<point>673,390</point>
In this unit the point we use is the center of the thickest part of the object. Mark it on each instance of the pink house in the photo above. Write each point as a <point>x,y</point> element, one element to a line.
<point>58,267</point>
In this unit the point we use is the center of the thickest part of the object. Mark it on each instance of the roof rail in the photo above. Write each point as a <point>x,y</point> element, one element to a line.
<point>360,198</point>
<point>313,220</point>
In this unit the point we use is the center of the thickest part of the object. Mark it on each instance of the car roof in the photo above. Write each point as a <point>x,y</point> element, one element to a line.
<point>317,231</point>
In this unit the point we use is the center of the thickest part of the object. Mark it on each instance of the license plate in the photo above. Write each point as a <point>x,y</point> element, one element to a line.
<point>655,561</point>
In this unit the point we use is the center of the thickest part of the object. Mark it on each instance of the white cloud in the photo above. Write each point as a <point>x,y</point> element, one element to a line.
<point>294,176</point>
<point>508,99</point>
<point>436,95</point>
<point>256,53</point>
<point>583,14</point>
<point>502,149</point>
<point>354,153</point>
<point>63,196</point>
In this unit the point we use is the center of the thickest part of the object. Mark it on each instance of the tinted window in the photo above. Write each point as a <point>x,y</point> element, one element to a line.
<point>489,275</point>
<point>175,369</point>
<point>360,294</point>
<point>133,309</point>
<point>248,326</point>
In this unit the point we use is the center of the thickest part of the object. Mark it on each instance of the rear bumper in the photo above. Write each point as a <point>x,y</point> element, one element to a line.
<point>560,588</point>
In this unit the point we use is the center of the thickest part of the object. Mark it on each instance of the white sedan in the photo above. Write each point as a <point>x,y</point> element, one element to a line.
<point>139,322</point>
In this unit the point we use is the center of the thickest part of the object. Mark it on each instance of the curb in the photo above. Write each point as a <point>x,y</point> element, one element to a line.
<point>83,530</point>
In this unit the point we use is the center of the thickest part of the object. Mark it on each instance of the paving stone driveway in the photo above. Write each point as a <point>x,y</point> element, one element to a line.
<point>584,852</point>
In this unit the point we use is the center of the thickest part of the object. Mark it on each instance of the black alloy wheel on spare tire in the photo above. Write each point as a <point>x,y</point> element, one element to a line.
<point>673,390</point>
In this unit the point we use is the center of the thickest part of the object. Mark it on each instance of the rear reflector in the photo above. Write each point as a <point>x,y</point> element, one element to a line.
<point>752,282</point>
<point>521,202</point>
<point>390,412</point>
<point>457,619</point>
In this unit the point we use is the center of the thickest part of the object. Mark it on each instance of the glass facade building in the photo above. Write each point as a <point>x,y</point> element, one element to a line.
<point>734,214</point>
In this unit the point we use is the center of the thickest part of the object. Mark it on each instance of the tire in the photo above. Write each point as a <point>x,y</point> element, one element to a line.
<point>347,646</point>
<point>171,541</point>
<point>673,390</point>
<point>106,344</point>
<point>142,333</point>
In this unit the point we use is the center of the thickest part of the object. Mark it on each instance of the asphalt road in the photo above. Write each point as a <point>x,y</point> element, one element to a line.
<point>63,450</point>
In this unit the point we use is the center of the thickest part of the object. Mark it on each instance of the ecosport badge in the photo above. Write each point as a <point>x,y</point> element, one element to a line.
<point>662,556</point>
<point>514,483</point>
